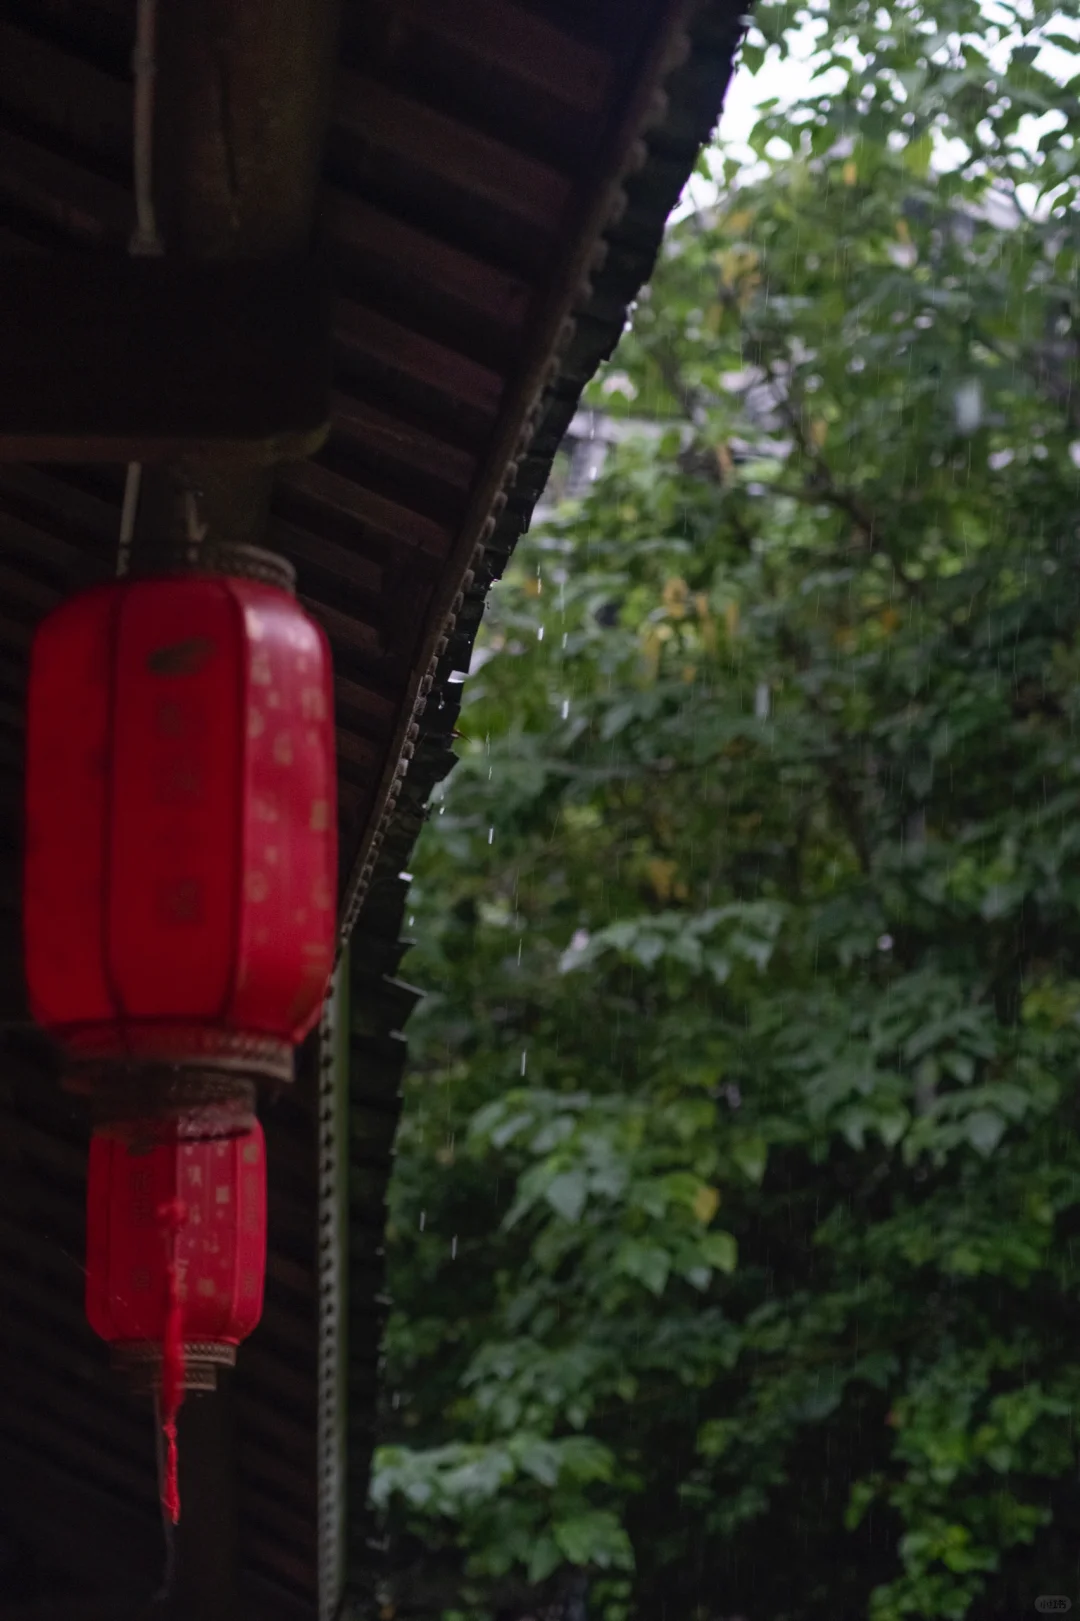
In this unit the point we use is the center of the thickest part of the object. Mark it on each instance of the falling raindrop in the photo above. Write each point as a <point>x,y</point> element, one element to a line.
<point>524,1059</point>
<point>491,835</point>
<point>565,708</point>
<point>423,1219</point>
<point>453,1248</point>
<point>540,634</point>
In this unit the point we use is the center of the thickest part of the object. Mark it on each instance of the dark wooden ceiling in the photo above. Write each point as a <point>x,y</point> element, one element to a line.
<point>495,180</point>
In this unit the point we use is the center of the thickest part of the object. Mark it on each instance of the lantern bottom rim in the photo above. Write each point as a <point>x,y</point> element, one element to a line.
<point>155,1103</point>
<point>180,1046</point>
<point>140,1361</point>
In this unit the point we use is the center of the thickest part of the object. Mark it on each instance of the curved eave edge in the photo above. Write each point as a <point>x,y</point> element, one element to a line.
<point>695,91</point>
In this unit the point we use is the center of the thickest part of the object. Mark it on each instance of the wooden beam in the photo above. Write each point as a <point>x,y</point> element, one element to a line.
<point>520,45</point>
<point>107,1543</point>
<point>107,358</point>
<point>387,122</point>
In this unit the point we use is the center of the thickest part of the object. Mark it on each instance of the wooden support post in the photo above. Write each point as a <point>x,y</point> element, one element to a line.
<point>242,96</point>
<point>242,99</point>
<point>207,1567</point>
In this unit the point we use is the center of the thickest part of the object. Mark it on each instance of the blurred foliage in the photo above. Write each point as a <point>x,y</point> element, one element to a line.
<point>734,1230</point>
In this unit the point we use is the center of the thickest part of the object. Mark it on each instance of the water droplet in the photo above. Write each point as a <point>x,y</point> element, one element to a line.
<point>423,1219</point>
<point>565,708</point>
<point>491,835</point>
<point>540,634</point>
<point>524,1059</point>
<point>453,1248</point>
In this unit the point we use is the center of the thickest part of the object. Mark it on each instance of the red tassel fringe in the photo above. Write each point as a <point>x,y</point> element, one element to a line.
<point>172,1217</point>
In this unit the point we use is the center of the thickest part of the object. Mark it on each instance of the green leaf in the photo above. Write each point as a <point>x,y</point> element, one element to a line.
<point>720,1250</point>
<point>566,1194</point>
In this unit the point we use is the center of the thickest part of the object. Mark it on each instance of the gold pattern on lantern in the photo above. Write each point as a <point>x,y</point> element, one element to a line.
<point>251,1154</point>
<point>256,887</point>
<point>270,855</point>
<point>283,749</point>
<point>321,896</point>
<point>256,723</point>
<point>320,815</point>
<point>194,1176</point>
<point>300,637</point>
<point>260,667</point>
<point>223,1193</point>
<point>254,624</point>
<point>312,703</point>
<point>206,1287</point>
<point>265,807</point>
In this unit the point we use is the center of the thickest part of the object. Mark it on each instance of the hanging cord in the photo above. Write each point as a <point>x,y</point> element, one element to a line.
<point>144,66</point>
<point>172,1217</point>
<point>145,241</point>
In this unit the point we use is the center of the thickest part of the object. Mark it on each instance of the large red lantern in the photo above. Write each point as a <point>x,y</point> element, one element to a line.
<point>175,1260</point>
<point>180,927</point>
<point>181,864</point>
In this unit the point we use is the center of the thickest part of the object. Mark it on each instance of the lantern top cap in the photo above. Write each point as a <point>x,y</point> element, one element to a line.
<point>232,560</point>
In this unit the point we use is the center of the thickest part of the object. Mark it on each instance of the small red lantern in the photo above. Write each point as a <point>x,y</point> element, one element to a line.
<point>181,861</point>
<point>176,1260</point>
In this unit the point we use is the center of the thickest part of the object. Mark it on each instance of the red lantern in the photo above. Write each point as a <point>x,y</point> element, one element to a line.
<point>175,1260</point>
<point>181,862</point>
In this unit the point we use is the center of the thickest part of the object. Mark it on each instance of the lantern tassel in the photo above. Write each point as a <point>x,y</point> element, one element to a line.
<point>172,1215</point>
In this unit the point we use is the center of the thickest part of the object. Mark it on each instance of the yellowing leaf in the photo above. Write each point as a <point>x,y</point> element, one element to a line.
<point>818,432</point>
<point>706,1204</point>
<point>651,644</point>
<point>889,620</point>
<point>675,595</point>
<point>850,172</point>
<point>724,461</point>
<point>740,220</point>
<point>731,618</point>
<point>661,877</point>
<point>902,230</point>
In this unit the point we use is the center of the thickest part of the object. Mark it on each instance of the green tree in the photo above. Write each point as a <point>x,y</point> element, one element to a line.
<point>734,1230</point>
